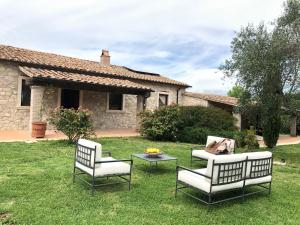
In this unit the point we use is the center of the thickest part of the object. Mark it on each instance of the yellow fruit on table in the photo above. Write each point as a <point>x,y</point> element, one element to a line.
<point>152,150</point>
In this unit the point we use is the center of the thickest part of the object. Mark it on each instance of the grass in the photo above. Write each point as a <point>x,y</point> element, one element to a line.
<point>36,188</point>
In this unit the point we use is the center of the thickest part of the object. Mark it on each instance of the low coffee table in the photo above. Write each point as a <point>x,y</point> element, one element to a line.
<point>163,157</point>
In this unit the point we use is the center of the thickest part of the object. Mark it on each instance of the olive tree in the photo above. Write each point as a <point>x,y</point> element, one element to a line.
<point>265,61</point>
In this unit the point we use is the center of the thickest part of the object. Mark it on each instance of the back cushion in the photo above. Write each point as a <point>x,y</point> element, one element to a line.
<point>260,162</point>
<point>236,166</point>
<point>92,144</point>
<point>211,139</point>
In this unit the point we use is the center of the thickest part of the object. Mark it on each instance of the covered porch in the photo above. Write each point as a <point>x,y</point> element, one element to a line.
<point>114,103</point>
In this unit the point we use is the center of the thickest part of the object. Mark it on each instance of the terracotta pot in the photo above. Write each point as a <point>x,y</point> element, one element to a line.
<point>38,129</point>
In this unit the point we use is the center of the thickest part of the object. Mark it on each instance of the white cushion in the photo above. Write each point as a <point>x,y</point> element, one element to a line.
<point>203,183</point>
<point>92,144</point>
<point>222,159</point>
<point>201,154</point>
<point>105,169</point>
<point>259,180</point>
<point>211,139</point>
<point>257,155</point>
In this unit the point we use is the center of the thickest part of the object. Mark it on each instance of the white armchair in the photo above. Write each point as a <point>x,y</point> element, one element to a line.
<point>89,161</point>
<point>198,153</point>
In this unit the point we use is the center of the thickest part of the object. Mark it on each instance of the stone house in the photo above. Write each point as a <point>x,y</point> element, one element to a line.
<point>33,83</point>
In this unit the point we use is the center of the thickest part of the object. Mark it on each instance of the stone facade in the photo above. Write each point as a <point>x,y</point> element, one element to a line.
<point>46,98</point>
<point>13,116</point>
<point>192,101</point>
<point>170,90</point>
<point>105,119</point>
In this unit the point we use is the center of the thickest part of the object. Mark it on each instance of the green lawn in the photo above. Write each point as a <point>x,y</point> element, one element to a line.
<point>36,188</point>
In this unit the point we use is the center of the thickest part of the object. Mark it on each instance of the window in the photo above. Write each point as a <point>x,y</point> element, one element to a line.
<point>25,93</point>
<point>70,98</point>
<point>162,100</point>
<point>115,101</point>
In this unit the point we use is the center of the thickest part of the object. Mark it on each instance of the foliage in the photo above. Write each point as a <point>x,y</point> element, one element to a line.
<point>236,91</point>
<point>271,110</point>
<point>197,135</point>
<point>266,64</point>
<point>36,188</point>
<point>161,124</point>
<point>246,139</point>
<point>73,123</point>
<point>186,123</point>
<point>208,117</point>
<point>285,124</point>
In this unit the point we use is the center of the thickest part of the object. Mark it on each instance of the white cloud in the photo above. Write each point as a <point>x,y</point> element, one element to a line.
<point>207,80</point>
<point>186,40</point>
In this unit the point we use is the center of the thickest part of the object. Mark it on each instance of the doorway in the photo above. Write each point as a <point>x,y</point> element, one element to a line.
<point>70,98</point>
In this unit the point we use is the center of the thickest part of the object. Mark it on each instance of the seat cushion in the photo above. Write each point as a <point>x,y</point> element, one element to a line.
<point>203,183</point>
<point>202,154</point>
<point>105,169</point>
<point>259,180</point>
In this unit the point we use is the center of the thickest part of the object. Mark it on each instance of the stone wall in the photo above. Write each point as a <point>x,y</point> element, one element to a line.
<point>192,101</point>
<point>105,119</point>
<point>12,116</point>
<point>171,90</point>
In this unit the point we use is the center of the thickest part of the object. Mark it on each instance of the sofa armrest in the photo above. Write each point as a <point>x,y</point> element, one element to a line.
<point>192,171</point>
<point>107,152</point>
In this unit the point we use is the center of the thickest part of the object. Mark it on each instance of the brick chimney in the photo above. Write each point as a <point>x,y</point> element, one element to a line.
<point>105,58</point>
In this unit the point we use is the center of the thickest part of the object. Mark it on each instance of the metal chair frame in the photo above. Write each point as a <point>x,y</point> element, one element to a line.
<point>83,155</point>
<point>229,173</point>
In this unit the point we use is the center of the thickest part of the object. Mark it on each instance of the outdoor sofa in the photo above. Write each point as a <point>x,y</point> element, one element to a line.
<point>90,163</point>
<point>226,173</point>
<point>198,153</point>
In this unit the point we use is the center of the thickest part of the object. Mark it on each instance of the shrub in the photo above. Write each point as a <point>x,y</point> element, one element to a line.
<point>285,124</point>
<point>197,135</point>
<point>73,123</point>
<point>246,139</point>
<point>187,123</point>
<point>161,124</point>
<point>210,117</point>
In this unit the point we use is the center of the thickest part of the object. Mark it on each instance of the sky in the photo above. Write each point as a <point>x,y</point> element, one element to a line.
<point>184,40</point>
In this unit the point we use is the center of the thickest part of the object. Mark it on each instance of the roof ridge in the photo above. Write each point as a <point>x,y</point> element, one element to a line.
<point>53,60</point>
<point>87,60</point>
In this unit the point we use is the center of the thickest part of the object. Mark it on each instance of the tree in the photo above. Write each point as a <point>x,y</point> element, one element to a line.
<point>265,61</point>
<point>236,91</point>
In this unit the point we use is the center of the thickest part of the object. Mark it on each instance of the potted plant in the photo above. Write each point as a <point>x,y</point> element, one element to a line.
<point>39,127</point>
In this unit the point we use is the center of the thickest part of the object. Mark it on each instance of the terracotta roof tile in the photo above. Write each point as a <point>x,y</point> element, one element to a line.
<point>80,77</point>
<point>214,98</point>
<point>30,57</point>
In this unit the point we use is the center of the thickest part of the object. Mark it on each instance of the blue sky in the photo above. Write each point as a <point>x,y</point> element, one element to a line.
<point>185,40</point>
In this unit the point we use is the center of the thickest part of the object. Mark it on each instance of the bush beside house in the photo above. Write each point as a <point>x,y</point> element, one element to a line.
<point>73,123</point>
<point>193,124</point>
